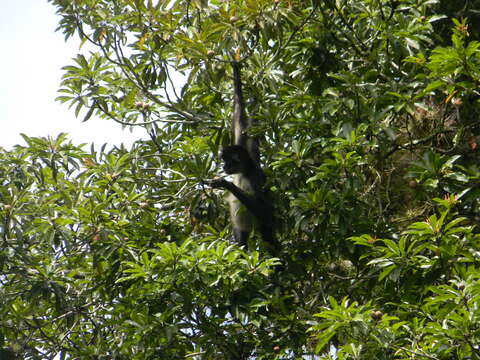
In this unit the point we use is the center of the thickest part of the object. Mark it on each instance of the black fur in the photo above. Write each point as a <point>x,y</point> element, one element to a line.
<point>249,202</point>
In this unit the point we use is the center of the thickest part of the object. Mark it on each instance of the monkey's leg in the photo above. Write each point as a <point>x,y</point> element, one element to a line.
<point>267,236</point>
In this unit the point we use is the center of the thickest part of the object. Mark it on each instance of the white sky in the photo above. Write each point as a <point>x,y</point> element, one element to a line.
<point>32,55</point>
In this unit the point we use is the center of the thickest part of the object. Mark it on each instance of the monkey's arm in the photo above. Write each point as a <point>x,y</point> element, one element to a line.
<point>239,116</point>
<point>261,208</point>
<point>240,121</point>
<point>257,207</point>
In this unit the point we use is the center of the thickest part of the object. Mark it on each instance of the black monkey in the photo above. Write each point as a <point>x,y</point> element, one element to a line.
<point>249,200</point>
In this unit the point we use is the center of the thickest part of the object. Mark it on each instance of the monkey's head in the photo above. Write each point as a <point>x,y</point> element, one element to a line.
<point>236,159</point>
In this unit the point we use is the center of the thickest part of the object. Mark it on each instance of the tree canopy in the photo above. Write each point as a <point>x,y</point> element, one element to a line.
<point>367,114</point>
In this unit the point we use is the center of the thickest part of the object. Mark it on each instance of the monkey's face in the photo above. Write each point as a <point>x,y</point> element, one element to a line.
<point>232,164</point>
<point>235,159</point>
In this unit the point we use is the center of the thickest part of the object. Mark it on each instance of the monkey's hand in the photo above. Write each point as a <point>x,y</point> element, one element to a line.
<point>216,183</point>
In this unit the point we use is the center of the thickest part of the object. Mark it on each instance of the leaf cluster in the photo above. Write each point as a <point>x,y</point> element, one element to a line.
<point>367,115</point>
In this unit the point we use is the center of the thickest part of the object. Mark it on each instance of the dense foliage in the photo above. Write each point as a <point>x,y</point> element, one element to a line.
<point>368,114</point>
